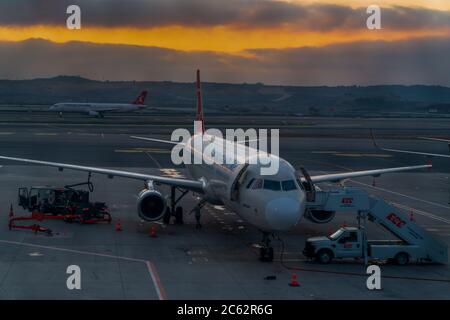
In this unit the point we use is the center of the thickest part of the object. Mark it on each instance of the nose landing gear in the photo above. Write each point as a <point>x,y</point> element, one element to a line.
<point>266,251</point>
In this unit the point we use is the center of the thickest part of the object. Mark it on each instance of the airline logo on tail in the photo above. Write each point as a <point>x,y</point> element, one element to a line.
<point>141,98</point>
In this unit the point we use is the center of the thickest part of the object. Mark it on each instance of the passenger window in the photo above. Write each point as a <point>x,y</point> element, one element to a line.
<point>288,185</point>
<point>272,185</point>
<point>257,184</point>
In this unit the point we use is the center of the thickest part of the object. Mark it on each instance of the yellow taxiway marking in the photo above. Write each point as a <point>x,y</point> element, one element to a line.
<point>353,154</point>
<point>142,150</point>
<point>324,152</point>
<point>45,134</point>
<point>373,155</point>
<point>173,173</point>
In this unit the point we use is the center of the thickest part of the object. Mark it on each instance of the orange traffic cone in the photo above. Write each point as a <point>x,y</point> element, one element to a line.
<point>294,282</point>
<point>118,225</point>
<point>152,232</point>
<point>11,212</point>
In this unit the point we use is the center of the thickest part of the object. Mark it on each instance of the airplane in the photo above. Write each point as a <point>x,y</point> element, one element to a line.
<point>272,204</point>
<point>98,109</point>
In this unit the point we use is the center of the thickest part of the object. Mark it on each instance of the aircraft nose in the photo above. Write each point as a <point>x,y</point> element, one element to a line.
<point>283,213</point>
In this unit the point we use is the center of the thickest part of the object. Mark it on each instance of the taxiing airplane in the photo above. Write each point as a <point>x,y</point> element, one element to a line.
<point>270,203</point>
<point>98,109</point>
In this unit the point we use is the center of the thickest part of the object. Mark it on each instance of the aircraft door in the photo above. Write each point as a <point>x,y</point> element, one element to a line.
<point>235,187</point>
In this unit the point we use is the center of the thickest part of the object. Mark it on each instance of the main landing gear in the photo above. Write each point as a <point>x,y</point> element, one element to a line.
<point>173,210</point>
<point>266,251</point>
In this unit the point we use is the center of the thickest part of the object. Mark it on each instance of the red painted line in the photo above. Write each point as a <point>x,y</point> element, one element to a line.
<point>156,281</point>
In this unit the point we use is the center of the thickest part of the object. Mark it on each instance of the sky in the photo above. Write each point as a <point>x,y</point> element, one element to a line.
<point>289,42</point>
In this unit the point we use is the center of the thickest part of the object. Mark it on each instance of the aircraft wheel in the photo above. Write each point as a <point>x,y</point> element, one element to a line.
<point>179,215</point>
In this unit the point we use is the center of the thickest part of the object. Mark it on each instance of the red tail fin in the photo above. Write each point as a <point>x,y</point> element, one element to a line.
<point>141,98</point>
<point>199,116</point>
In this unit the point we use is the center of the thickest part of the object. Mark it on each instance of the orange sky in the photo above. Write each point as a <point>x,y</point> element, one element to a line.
<point>228,38</point>
<point>221,39</point>
<point>431,4</point>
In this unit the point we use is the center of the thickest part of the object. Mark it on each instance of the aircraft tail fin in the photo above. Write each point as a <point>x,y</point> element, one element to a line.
<point>199,115</point>
<point>141,98</point>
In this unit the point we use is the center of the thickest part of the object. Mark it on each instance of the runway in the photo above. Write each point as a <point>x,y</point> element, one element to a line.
<point>220,260</point>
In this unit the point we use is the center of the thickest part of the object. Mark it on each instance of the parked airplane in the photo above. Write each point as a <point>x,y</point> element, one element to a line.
<point>270,203</point>
<point>98,109</point>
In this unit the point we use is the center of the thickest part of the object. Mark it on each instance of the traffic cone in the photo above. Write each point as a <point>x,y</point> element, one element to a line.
<point>118,225</point>
<point>152,232</point>
<point>294,281</point>
<point>11,212</point>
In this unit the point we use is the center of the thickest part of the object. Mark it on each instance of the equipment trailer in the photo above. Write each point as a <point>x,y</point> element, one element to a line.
<point>414,244</point>
<point>52,203</point>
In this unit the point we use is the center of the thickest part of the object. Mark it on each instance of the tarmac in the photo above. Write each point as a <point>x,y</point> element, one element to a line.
<point>219,261</point>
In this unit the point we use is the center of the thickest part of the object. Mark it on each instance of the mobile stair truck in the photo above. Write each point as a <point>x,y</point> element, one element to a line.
<point>413,244</point>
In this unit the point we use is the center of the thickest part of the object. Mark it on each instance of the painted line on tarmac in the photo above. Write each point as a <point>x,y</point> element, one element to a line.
<point>378,188</point>
<point>422,213</point>
<point>156,281</point>
<point>150,266</point>
<point>153,159</point>
<point>402,195</point>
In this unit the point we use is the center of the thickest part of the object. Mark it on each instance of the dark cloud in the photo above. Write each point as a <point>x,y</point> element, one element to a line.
<point>239,13</point>
<point>419,61</point>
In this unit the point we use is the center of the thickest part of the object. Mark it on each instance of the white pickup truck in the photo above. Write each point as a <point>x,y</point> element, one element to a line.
<point>349,242</point>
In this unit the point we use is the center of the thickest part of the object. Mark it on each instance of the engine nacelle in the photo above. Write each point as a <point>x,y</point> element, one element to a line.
<point>151,205</point>
<point>320,216</point>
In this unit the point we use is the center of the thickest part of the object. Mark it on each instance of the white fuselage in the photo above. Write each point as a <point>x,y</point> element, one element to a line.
<point>96,107</point>
<point>269,202</point>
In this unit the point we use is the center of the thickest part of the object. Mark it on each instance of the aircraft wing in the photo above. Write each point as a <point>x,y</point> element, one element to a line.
<point>192,185</point>
<point>336,177</point>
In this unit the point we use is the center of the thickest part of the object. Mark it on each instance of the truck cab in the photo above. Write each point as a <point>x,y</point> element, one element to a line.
<point>344,243</point>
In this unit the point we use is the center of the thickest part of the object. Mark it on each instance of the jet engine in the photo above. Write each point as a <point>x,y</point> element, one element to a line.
<point>319,216</point>
<point>151,205</point>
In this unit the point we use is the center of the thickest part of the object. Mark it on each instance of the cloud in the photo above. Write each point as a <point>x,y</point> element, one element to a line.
<point>418,61</point>
<point>208,13</point>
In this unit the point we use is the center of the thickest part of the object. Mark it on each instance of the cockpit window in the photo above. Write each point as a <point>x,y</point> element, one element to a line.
<point>288,185</point>
<point>299,182</point>
<point>250,183</point>
<point>257,184</point>
<point>272,185</point>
